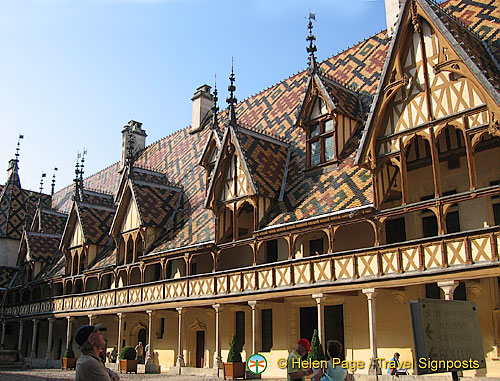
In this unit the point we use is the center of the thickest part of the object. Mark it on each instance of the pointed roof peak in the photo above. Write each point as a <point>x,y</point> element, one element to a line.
<point>215,107</point>
<point>53,184</point>
<point>13,163</point>
<point>231,100</point>
<point>311,49</point>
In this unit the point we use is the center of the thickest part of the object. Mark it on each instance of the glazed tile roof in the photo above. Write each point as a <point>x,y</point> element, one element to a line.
<point>96,222</point>
<point>50,221</point>
<point>274,111</point>
<point>346,101</point>
<point>6,275</point>
<point>41,246</point>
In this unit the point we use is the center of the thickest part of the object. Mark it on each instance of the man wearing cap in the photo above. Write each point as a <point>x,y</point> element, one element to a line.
<point>294,364</point>
<point>89,366</point>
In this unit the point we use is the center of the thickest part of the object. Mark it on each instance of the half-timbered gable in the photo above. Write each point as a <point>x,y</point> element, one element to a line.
<point>210,154</point>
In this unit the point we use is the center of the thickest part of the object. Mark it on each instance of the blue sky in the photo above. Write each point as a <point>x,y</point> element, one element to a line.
<point>74,72</point>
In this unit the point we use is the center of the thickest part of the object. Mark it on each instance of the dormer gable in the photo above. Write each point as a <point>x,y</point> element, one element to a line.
<point>330,114</point>
<point>209,155</point>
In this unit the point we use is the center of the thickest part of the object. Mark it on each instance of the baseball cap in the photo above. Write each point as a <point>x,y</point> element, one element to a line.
<point>305,343</point>
<point>84,333</point>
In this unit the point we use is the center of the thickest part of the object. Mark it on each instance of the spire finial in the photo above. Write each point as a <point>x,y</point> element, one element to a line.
<point>215,108</point>
<point>76,195</point>
<point>13,163</point>
<point>231,100</point>
<point>82,165</point>
<point>311,49</point>
<point>21,136</point>
<point>53,182</point>
<point>41,183</point>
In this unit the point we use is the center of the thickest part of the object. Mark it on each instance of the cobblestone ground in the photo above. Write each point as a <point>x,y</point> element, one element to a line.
<point>60,375</point>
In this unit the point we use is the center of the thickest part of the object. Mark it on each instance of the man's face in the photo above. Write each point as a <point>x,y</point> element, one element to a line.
<point>97,339</point>
<point>302,350</point>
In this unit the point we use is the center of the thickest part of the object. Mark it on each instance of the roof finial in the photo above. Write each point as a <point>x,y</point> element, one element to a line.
<point>82,165</point>
<point>231,100</point>
<point>41,182</point>
<point>311,49</point>
<point>53,181</point>
<point>76,195</point>
<point>215,108</point>
<point>13,163</point>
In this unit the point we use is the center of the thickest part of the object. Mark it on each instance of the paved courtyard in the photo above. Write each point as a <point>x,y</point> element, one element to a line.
<point>57,374</point>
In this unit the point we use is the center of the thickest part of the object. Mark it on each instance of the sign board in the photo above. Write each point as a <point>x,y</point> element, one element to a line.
<point>447,336</point>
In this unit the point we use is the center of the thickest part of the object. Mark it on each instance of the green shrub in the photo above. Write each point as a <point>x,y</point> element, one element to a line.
<point>68,353</point>
<point>128,353</point>
<point>316,349</point>
<point>234,354</point>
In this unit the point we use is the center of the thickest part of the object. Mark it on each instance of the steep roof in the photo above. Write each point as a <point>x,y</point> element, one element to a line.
<point>41,246</point>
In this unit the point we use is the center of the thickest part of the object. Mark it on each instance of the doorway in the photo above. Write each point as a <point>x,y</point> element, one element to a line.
<point>200,349</point>
<point>141,336</point>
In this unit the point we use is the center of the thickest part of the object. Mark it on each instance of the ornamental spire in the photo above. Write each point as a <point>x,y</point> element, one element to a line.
<point>13,163</point>
<point>215,108</point>
<point>311,49</point>
<point>53,185</point>
<point>231,100</point>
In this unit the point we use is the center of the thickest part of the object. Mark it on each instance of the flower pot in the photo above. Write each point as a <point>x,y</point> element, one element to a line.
<point>233,370</point>
<point>68,363</point>
<point>128,366</point>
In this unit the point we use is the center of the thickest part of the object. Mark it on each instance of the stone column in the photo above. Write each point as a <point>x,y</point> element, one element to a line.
<point>253,304</point>
<point>20,339</point>
<point>2,342</point>
<point>150,332</point>
<point>120,328</point>
<point>218,357</point>
<point>152,364</point>
<point>69,328</point>
<point>321,319</point>
<point>48,356</point>
<point>91,319</point>
<point>33,340</point>
<point>180,349</point>
<point>448,287</point>
<point>374,364</point>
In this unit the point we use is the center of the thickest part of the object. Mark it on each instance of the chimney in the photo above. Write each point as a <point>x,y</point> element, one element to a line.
<point>135,130</point>
<point>202,103</point>
<point>12,168</point>
<point>391,15</point>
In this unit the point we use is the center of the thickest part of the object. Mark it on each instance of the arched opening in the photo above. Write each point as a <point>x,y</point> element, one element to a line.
<point>92,284</point>
<point>354,236</point>
<point>57,289</point>
<point>25,296</point>
<point>201,264</point>
<point>122,279</point>
<point>486,148</point>
<point>244,222</point>
<point>83,262</point>
<point>121,252</point>
<point>139,247</point>
<point>235,258</point>
<point>69,288</point>
<point>130,250</point>
<point>419,175</point>
<point>106,281</point>
<point>176,268</point>
<point>389,191</point>
<point>35,293</point>
<point>274,250</point>
<point>311,244</point>
<point>74,260</point>
<point>135,276</point>
<point>152,273</point>
<point>453,168</point>
<point>78,286</point>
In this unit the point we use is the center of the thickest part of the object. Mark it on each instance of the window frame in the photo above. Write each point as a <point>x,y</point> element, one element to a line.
<point>321,137</point>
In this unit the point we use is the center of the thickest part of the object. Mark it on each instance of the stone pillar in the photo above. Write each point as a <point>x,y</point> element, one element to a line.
<point>218,357</point>
<point>120,328</point>
<point>321,319</point>
<point>2,342</point>
<point>448,287</point>
<point>152,364</point>
<point>33,340</point>
<point>150,332</point>
<point>48,356</point>
<point>253,304</point>
<point>180,349</point>
<point>20,339</point>
<point>91,319</point>
<point>69,329</point>
<point>374,364</point>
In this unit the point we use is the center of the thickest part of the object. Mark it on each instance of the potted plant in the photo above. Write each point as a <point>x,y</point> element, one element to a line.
<point>234,367</point>
<point>316,353</point>
<point>128,361</point>
<point>69,359</point>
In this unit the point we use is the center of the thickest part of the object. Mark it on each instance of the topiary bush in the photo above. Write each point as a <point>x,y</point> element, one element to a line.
<point>234,354</point>
<point>128,353</point>
<point>316,349</point>
<point>68,353</point>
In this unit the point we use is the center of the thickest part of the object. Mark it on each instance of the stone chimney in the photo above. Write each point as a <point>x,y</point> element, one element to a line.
<point>12,168</point>
<point>135,130</point>
<point>202,103</point>
<point>391,15</point>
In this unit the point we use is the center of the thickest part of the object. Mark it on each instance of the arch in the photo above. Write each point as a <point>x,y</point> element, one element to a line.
<point>139,247</point>
<point>452,158</point>
<point>134,333</point>
<point>176,268</point>
<point>122,279</point>
<point>45,291</point>
<point>486,147</point>
<point>236,257</point>
<point>192,330</point>
<point>106,281</point>
<point>82,262</point>
<point>134,276</point>
<point>68,290</point>
<point>74,261</point>
<point>245,220</point>
<point>310,244</point>
<point>130,250</point>
<point>91,284</point>
<point>419,176</point>
<point>201,264</point>
<point>274,250</point>
<point>78,289</point>
<point>57,289</point>
<point>120,260</point>
<point>152,272</point>
<point>354,236</point>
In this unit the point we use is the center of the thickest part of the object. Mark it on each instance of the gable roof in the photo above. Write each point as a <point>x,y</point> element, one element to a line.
<point>41,246</point>
<point>49,221</point>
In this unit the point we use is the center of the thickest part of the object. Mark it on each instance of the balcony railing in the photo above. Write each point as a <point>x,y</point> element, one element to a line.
<point>459,250</point>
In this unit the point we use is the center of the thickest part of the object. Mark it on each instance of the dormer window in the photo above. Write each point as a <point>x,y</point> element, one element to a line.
<point>321,141</point>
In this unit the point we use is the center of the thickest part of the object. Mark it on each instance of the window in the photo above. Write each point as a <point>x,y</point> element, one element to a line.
<point>321,142</point>
<point>316,246</point>
<point>429,225</point>
<point>240,327</point>
<point>460,292</point>
<point>194,268</point>
<point>271,251</point>
<point>267,330</point>
<point>432,291</point>
<point>395,230</point>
